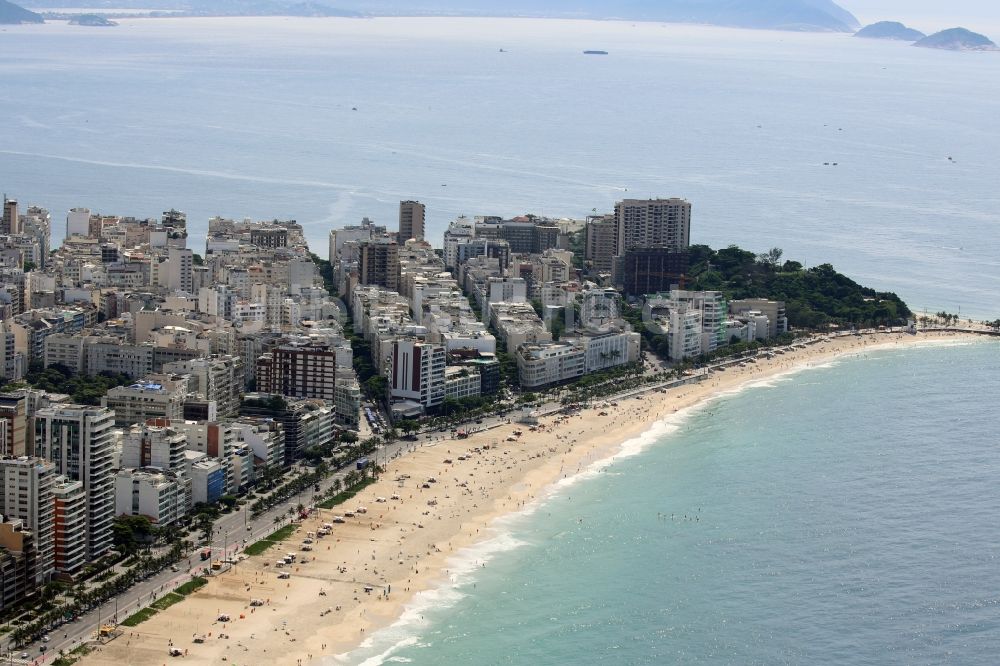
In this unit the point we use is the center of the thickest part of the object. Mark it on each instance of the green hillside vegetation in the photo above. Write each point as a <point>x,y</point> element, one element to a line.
<point>814,297</point>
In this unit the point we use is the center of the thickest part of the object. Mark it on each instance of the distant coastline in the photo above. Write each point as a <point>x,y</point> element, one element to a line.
<point>791,15</point>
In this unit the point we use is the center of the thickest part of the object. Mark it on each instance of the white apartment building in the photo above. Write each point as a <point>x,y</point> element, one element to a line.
<point>684,333</point>
<point>462,382</point>
<point>265,438</point>
<point>78,222</point>
<point>243,472</point>
<point>608,349</point>
<point>160,496</point>
<point>208,478</point>
<point>417,372</point>
<point>215,439</point>
<point>78,440</point>
<point>539,365</point>
<point>504,290</point>
<point>155,397</point>
<point>67,350</point>
<point>774,311</point>
<point>154,446</point>
<point>26,494</point>
<point>518,324</point>
<point>347,398</point>
<point>459,231</point>
<point>217,378</point>
<point>598,307</point>
<point>110,355</point>
<point>180,273</point>
<point>710,305</point>
<point>248,313</point>
<point>646,223</point>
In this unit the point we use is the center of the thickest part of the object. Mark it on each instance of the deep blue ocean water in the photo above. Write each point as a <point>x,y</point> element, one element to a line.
<point>844,514</point>
<point>255,118</point>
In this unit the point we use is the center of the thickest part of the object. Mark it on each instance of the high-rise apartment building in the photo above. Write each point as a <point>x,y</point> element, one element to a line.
<point>218,377</point>
<point>417,372</point>
<point>379,264</point>
<point>158,446</point>
<point>154,397</point>
<point>652,270</point>
<point>11,223</point>
<point>160,496</point>
<point>69,534</point>
<point>215,439</point>
<point>602,243</point>
<point>26,494</point>
<point>300,371</point>
<point>646,223</point>
<point>17,563</point>
<point>78,439</point>
<point>180,270</point>
<point>78,222</point>
<point>411,221</point>
<point>37,223</point>
<point>13,420</point>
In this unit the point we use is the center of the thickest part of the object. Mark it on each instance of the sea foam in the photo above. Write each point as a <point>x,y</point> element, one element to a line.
<point>407,631</point>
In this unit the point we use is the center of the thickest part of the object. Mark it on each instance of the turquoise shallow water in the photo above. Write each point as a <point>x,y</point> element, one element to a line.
<point>844,514</point>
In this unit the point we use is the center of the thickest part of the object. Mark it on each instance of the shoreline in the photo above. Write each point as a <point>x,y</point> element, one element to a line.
<point>377,570</point>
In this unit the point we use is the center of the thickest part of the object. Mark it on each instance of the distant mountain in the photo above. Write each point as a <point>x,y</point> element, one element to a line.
<point>957,39</point>
<point>317,9</point>
<point>810,15</point>
<point>254,8</point>
<point>12,14</point>
<point>890,30</point>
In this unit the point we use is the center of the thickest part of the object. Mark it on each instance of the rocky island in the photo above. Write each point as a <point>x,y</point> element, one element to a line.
<point>957,39</point>
<point>889,30</point>
<point>11,14</point>
<point>92,20</point>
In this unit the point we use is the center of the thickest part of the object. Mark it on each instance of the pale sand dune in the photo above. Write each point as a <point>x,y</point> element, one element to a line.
<point>405,544</point>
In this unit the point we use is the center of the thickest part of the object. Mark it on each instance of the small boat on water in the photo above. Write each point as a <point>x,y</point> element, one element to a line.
<point>595,53</point>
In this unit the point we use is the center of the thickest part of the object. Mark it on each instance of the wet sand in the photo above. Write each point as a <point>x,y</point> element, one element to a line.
<point>360,578</point>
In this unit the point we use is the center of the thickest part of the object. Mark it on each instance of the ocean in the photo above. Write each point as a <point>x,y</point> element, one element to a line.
<point>327,121</point>
<point>844,514</point>
<point>840,514</point>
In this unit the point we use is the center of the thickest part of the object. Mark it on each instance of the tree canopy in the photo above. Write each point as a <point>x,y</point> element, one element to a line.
<point>84,390</point>
<point>814,297</point>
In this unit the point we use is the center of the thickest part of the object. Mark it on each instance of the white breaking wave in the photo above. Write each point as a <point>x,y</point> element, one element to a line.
<point>405,632</point>
<point>462,567</point>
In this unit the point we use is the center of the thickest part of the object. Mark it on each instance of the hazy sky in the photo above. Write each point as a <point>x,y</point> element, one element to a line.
<point>932,15</point>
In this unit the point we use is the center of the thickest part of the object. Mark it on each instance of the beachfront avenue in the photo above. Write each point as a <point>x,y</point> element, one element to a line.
<point>214,396</point>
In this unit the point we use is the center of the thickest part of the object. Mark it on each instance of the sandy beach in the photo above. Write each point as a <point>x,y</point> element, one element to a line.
<point>428,505</point>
